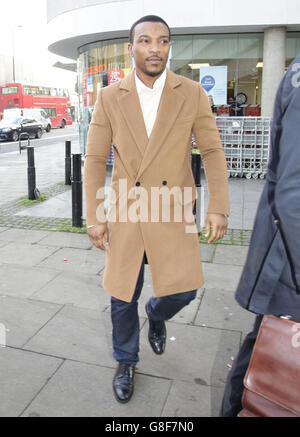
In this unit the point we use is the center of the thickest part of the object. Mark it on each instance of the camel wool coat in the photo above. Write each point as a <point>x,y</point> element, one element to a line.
<point>143,166</point>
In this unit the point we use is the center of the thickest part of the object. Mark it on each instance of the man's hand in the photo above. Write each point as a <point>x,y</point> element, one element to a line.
<point>217,225</point>
<point>97,234</point>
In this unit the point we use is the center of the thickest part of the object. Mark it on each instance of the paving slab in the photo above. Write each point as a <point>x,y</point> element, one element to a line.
<point>252,197</point>
<point>23,235</point>
<point>23,318</point>
<point>21,281</point>
<point>2,229</point>
<point>191,399</point>
<point>188,314</point>
<point>207,252</point>
<point>235,220</point>
<point>251,204</point>
<point>222,277</point>
<point>23,374</point>
<point>191,352</point>
<point>25,254</point>
<point>66,239</point>
<point>84,390</point>
<point>231,255</point>
<point>59,206</point>
<point>78,289</point>
<point>78,334</point>
<point>248,222</point>
<point>3,243</point>
<point>78,260</point>
<point>219,309</point>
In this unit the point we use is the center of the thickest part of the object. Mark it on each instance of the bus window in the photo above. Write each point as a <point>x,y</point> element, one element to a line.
<point>10,90</point>
<point>44,114</point>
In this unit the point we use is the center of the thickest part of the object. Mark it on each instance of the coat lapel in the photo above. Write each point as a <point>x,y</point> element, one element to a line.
<point>129,104</point>
<point>170,105</point>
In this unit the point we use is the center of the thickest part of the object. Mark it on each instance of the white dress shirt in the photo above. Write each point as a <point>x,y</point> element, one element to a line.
<point>150,99</point>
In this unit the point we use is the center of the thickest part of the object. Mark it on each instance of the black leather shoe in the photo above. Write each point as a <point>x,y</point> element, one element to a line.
<point>157,335</point>
<point>123,382</point>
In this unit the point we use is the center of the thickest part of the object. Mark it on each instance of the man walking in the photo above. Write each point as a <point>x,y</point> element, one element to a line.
<point>149,117</point>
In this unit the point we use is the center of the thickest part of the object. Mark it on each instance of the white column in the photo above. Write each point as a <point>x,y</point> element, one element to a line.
<point>273,66</point>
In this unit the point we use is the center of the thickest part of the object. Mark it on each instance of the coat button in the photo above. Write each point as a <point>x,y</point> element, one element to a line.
<point>138,184</point>
<point>165,182</point>
<point>276,222</point>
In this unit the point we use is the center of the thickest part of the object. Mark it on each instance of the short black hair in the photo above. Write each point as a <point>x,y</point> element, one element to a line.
<point>147,18</point>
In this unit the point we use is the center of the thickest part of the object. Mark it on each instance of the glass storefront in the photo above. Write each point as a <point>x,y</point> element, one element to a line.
<point>236,59</point>
<point>99,65</point>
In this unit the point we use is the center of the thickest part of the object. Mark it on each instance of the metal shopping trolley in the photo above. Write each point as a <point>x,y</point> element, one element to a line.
<point>246,142</point>
<point>256,145</point>
<point>231,133</point>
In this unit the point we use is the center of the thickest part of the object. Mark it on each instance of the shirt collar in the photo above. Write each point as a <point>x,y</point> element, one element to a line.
<point>158,84</point>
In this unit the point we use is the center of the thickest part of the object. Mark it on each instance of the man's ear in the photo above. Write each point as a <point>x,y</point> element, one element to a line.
<point>129,48</point>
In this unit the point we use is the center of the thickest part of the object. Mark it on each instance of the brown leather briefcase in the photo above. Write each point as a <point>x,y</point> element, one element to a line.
<point>272,381</point>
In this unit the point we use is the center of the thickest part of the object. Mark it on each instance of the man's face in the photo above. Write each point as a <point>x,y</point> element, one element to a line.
<point>150,48</point>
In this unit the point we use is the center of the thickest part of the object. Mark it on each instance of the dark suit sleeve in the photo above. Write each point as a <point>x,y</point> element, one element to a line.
<point>287,192</point>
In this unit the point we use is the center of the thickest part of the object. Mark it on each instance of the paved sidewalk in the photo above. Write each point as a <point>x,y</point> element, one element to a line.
<point>49,164</point>
<point>58,362</point>
<point>55,213</point>
<point>58,355</point>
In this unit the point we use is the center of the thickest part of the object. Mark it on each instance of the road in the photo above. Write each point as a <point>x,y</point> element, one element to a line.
<point>48,139</point>
<point>49,162</point>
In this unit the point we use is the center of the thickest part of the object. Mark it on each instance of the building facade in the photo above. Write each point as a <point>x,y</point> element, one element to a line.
<point>238,50</point>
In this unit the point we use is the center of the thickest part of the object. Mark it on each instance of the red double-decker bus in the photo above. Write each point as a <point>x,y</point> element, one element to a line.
<point>54,101</point>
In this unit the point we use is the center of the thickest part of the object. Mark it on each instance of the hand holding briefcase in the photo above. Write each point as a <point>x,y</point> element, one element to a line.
<point>272,381</point>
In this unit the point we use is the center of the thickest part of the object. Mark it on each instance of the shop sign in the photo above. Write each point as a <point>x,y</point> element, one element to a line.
<point>214,82</point>
<point>115,76</point>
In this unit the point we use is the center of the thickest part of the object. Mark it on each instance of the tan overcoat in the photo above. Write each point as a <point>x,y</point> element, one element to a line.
<point>146,169</point>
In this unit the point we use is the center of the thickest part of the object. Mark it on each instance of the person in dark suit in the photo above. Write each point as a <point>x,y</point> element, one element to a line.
<point>270,281</point>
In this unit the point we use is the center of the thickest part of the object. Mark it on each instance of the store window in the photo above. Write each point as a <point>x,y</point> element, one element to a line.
<point>292,47</point>
<point>229,66</point>
<point>99,66</point>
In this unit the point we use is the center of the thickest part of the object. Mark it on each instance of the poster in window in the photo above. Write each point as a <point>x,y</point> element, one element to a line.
<point>214,82</point>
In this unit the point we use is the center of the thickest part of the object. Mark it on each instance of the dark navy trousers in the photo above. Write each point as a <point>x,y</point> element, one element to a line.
<point>125,318</point>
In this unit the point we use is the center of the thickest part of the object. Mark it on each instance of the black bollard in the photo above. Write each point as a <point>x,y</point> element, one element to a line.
<point>196,168</point>
<point>77,192</point>
<point>68,166</point>
<point>32,191</point>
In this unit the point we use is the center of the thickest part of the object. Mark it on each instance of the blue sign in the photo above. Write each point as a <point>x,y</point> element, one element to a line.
<point>214,82</point>
<point>208,82</point>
